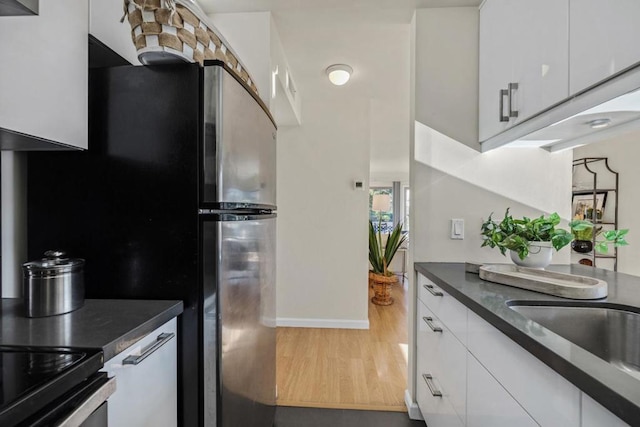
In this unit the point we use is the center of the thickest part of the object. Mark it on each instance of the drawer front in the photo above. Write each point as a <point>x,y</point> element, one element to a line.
<point>596,415</point>
<point>444,357</point>
<point>488,403</point>
<point>436,410</point>
<point>544,394</point>
<point>452,312</point>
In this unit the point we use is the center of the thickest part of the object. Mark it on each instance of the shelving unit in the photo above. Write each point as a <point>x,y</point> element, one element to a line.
<point>593,176</point>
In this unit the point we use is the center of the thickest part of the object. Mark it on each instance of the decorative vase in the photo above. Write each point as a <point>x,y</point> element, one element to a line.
<point>540,254</point>
<point>382,288</point>
<point>582,246</point>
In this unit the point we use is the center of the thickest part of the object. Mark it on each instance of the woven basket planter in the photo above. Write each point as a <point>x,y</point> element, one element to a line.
<point>382,288</point>
<point>177,30</point>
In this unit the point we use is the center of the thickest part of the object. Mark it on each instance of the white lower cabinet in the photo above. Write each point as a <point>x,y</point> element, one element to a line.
<point>448,309</point>
<point>488,380</point>
<point>596,415</point>
<point>488,403</point>
<point>549,398</point>
<point>441,370</point>
<point>436,410</point>
<point>146,381</point>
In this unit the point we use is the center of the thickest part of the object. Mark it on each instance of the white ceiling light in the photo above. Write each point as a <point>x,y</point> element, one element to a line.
<point>339,74</point>
<point>599,123</point>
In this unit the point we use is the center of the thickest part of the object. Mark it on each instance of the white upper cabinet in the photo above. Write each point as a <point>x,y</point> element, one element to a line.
<point>603,38</point>
<point>524,59</point>
<point>540,57</point>
<point>494,67</point>
<point>43,72</point>
<point>105,25</point>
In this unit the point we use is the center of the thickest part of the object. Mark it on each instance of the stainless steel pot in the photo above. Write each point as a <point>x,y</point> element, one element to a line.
<point>53,285</point>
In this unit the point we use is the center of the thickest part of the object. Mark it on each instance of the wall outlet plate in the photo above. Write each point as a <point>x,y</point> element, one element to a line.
<point>457,228</point>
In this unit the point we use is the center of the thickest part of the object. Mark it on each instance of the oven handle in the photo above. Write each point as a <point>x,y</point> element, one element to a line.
<point>86,408</point>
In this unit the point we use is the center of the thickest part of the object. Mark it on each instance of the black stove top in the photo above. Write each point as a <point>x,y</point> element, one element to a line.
<point>31,377</point>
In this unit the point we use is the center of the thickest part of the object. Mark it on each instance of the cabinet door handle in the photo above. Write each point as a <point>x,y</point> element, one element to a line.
<point>512,87</point>
<point>503,93</point>
<point>433,291</point>
<point>162,339</point>
<point>428,378</point>
<point>429,322</point>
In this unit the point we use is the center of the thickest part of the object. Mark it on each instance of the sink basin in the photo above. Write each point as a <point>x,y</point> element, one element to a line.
<point>612,334</point>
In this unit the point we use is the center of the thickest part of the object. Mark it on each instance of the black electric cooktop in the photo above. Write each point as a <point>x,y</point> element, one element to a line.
<point>32,377</point>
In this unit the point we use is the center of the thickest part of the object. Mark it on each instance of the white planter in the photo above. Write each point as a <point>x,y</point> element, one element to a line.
<point>540,254</point>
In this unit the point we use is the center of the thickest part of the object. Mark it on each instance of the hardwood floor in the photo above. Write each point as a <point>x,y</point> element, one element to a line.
<point>347,368</point>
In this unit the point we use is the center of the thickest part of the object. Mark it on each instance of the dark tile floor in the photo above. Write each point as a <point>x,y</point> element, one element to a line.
<point>313,417</point>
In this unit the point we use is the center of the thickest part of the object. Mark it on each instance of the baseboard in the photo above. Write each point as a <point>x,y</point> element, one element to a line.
<point>291,322</point>
<point>352,406</point>
<point>412,407</point>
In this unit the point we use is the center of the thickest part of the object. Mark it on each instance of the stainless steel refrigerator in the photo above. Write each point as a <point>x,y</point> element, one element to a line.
<point>175,199</point>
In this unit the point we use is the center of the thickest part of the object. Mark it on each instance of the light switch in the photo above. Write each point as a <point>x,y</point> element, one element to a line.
<point>457,228</point>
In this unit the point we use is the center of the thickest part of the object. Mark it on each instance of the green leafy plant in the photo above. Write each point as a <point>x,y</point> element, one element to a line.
<point>517,234</point>
<point>380,257</point>
<point>584,230</point>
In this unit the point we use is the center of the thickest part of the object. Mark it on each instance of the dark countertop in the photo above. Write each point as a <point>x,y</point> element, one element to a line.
<point>617,391</point>
<point>109,325</point>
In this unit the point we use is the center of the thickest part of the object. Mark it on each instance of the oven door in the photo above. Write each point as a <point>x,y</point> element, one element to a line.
<point>85,405</point>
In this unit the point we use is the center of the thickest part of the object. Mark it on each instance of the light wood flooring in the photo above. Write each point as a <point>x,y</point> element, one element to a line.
<point>347,368</point>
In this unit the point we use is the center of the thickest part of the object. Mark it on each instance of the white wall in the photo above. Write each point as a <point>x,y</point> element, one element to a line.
<point>447,82</point>
<point>254,38</point>
<point>531,176</point>
<point>322,229</point>
<point>410,392</point>
<point>248,36</point>
<point>443,197</point>
<point>623,154</point>
<point>389,157</point>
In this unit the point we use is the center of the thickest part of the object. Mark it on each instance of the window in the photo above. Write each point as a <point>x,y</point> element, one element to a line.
<point>384,219</point>
<point>407,200</point>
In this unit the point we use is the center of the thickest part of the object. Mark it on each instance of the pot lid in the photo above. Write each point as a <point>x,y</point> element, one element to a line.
<point>53,261</point>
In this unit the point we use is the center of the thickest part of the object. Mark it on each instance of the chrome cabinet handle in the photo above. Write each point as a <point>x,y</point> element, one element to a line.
<point>512,87</point>
<point>161,340</point>
<point>429,322</point>
<point>503,94</point>
<point>433,291</point>
<point>428,378</point>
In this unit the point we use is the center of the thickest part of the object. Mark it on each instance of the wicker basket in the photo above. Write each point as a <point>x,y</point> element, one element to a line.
<point>177,30</point>
<point>382,288</point>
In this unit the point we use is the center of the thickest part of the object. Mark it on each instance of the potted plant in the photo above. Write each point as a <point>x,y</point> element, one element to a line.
<point>531,241</point>
<point>380,257</point>
<point>584,237</point>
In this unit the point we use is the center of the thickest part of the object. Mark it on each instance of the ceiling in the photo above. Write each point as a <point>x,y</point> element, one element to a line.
<point>373,37</point>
